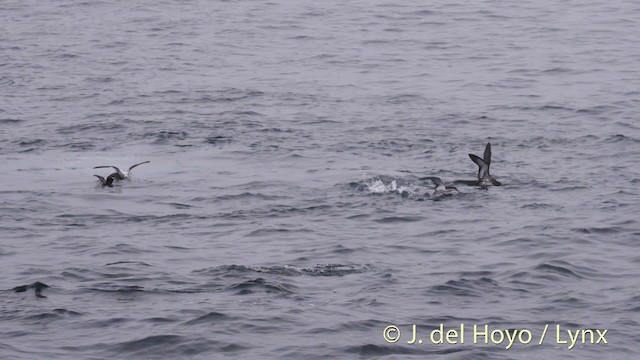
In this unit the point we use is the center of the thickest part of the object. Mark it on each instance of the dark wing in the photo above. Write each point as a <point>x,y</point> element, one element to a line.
<point>110,178</point>
<point>102,180</point>
<point>487,154</point>
<point>436,180</point>
<point>477,160</point>
<point>144,162</point>
<point>482,166</point>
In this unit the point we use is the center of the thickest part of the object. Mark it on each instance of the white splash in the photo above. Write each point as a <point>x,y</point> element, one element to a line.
<point>377,186</point>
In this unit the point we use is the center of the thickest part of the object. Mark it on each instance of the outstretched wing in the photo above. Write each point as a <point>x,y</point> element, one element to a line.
<point>483,168</point>
<point>132,166</point>
<point>487,154</point>
<point>108,166</point>
<point>436,180</point>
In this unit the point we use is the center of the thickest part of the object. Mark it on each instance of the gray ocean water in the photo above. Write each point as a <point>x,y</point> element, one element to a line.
<point>282,214</point>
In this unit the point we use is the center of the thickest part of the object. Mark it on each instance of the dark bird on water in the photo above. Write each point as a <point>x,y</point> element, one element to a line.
<point>484,178</point>
<point>108,182</point>
<point>36,286</point>
<point>442,188</point>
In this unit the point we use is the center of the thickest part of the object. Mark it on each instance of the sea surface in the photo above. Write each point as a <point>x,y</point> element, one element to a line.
<point>284,213</point>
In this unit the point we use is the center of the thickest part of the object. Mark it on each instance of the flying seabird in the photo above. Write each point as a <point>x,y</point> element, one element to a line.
<point>119,175</point>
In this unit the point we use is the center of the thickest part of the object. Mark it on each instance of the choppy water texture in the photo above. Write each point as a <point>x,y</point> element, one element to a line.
<point>282,214</point>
